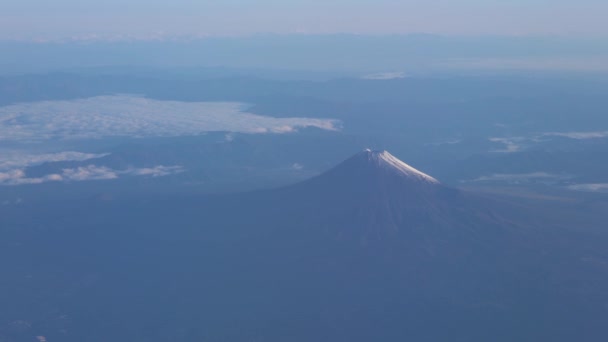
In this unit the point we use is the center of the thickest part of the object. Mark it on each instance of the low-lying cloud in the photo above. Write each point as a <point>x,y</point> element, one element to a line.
<point>579,135</point>
<point>17,159</point>
<point>85,173</point>
<point>511,144</point>
<point>519,143</point>
<point>385,76</point>
<point>518,177</point>
<point>131,116</point>
<point>592,187</point>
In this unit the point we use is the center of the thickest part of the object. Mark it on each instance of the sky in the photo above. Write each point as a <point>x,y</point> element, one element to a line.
<point>153,19</point>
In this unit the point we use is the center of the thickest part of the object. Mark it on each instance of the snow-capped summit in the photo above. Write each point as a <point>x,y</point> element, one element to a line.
<point>376,177</point>
<point>378,195</point>
<point>384,160</point>
<point>377,170</point>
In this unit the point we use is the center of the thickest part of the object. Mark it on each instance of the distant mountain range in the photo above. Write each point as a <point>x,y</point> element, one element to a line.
<point>373,249</point>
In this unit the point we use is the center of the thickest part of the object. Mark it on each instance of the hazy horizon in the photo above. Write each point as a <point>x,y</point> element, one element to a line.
<point>362,36</point>
<point>355,54</point>
<point>64,19</point>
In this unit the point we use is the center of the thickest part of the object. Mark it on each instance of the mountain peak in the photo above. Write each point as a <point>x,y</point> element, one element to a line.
<point>383,160</point>
<point>374,174</point>
<point>377,194</point>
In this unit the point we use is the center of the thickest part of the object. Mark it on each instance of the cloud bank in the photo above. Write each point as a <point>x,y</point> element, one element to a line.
<point>385,76</point>
<point>511,144</point>
<point>131,116</point>
<point>518,143</point>
<point>519,177</point>
<point>17,159</point>
<point>593,187</point>
<point>85,173</point>
<point>579,135</point>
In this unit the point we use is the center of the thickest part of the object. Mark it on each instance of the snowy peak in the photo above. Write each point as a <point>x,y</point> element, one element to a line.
<point>385,161</point>
<point>378,195</point>
<point>376,174</point>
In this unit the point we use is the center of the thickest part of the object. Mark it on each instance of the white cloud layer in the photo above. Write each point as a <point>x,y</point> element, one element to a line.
<point>519,177</point>
<point>512,144</point>
<point>517,144</point>
<point>85,173</point>
<point>593,187</point>
<point>385,76</point>
<point>579,135</point>
<point>132,116</point>
<point>16,159</point>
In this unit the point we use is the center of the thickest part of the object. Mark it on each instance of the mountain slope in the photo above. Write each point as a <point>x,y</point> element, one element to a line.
<point>373,195</point>
<point>373,249</point>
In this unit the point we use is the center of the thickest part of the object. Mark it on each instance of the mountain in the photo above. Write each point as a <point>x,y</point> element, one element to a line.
<point>373,197</point>
<point>377,166</point>
<point>372,249</point>
<point>377,189</point>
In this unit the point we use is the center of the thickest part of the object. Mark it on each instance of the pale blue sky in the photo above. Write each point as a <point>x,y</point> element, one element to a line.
<point>154,18</point>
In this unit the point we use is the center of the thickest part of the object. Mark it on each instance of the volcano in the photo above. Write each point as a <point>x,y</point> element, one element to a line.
<point>374,195</point>
<point>372,249</point>
<point>370,165</point>
<point>386,251</point>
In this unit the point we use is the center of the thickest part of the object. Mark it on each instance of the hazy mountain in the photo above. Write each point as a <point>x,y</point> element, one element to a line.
<point>373,249</point>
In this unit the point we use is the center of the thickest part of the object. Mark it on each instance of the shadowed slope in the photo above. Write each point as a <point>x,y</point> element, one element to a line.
<point>370,250</point>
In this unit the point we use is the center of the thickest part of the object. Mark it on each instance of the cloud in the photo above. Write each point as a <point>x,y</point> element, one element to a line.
<point>579,135</point>
<point>90,172</point>
<point>445,142</point>
<point>131,116</point>
<point>229,137</point>
<point>12,202</point>
<point>516,144</point>
<point>385,76</point>
<point>16,159</point>
<point>592,187</point>
<point>85,173</point>
<point>518,177</point>
<point>18,177</point>
<point>11,175</point>
<point>157,171</point>
<point>512,144</point>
